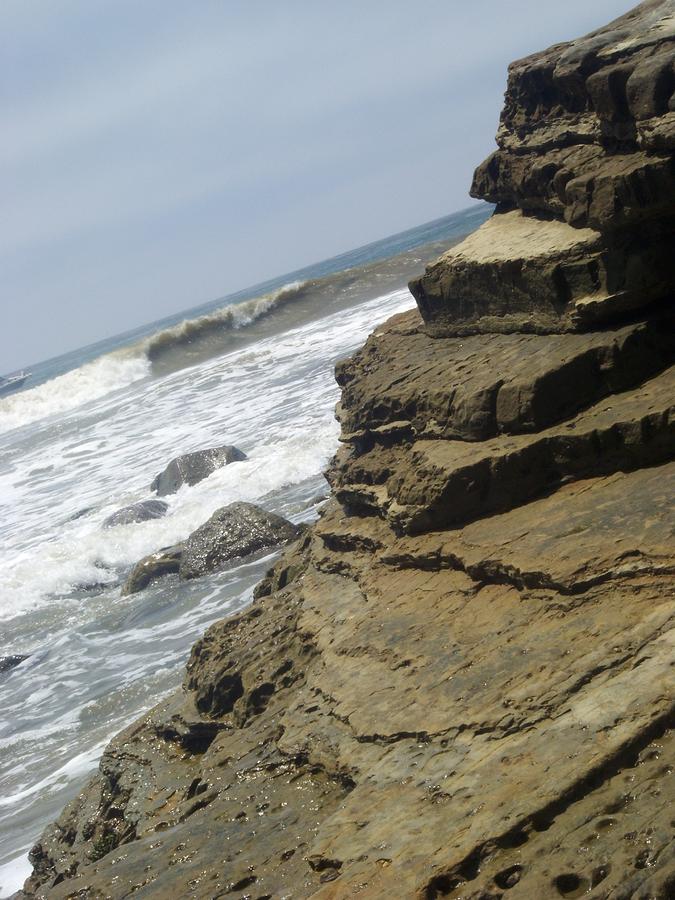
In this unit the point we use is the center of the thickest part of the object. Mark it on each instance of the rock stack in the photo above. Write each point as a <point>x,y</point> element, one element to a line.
<point>459,682</point>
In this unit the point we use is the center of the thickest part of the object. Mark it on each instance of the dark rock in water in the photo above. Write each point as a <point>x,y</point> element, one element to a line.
<point>152,567</point>
<point>80,514</point>
<point>233,532</point>
<point>10,662</point>
<point>137,512</point>
<point>192,468</point>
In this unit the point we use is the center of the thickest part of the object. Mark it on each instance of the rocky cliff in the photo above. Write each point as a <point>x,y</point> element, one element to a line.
<point>459,682</point>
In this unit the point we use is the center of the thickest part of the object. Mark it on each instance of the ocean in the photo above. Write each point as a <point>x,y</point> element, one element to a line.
<point>86,436</point>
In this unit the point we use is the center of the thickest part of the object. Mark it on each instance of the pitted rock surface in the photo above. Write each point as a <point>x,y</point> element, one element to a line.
<point>459,681</point>
<point>233,532</point>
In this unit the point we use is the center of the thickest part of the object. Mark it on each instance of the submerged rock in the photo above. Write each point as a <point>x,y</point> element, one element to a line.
<point>137,512</point>
<point>10,662</point>
<point>233,532</point>
<point>191,468</point>
<point>152,567</point>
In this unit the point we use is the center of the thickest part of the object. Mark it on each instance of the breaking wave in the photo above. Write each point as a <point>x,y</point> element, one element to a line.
<point>230,318</point>
<point>115,370</point>
<point>73,389</point>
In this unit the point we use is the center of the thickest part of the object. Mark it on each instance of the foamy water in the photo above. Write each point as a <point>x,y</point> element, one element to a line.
<point>87,437</point>
<point>112,371</point>
<point>98,659</point>
<point>73,389</point>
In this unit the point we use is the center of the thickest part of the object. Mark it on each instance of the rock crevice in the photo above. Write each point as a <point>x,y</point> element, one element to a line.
<point>458,682</point>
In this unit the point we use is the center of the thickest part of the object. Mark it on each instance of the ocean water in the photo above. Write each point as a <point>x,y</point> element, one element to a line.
<point>87,435</point>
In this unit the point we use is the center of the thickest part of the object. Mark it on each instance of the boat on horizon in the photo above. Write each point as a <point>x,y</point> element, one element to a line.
<point>12,382</point>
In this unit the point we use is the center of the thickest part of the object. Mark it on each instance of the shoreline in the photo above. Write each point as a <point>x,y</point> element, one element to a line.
<point>458,681</point>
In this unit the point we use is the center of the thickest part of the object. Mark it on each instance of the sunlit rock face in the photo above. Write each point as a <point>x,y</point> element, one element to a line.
<point>584,183</point>
<point>458,682</point>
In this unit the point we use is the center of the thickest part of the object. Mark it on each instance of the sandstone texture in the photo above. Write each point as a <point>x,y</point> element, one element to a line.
<point>191,468</point>
<point>459,682</point>
<point>584,183</point>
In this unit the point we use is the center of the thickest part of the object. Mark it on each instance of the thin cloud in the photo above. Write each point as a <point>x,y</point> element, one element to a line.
<point>250,137</point>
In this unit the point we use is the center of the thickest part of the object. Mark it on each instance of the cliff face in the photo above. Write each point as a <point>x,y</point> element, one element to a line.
<point>459,682</point>
<point>585,142</point>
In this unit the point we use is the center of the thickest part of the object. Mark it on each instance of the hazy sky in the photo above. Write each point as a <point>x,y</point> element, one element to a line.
<point>157,154</point>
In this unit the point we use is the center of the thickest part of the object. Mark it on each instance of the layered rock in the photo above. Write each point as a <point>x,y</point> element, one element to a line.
<point>584,180</point>
<point>459,682</point>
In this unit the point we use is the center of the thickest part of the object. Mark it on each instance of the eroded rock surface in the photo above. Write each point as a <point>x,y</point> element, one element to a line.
<point>191,468</point>
<point>584,180</point>
<point>233,532</point>
<point>459,682</point>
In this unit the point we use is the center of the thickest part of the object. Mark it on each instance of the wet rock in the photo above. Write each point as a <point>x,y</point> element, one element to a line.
<point>10,662</point>
<point>191,468</point>
<point>152,567</point>
<point>137,512</point>
<point>233,532</point>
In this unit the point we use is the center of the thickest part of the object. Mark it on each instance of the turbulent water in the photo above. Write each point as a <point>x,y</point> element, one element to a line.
<point>87,437</point>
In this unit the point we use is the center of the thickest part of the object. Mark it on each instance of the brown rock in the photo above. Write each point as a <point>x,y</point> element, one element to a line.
<point>439,483</point>
<point>481,707</point>
<point>150,568</point>
<point>586,138</point>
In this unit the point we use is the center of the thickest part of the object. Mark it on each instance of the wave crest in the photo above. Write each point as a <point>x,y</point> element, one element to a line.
<point>230,318</point>
<point>115,370</point>
<point>73,389</point>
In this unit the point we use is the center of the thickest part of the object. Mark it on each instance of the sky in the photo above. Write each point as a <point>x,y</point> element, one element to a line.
<point>158,154</point>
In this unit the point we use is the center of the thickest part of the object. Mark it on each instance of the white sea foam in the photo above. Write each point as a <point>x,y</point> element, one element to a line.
<point>97,659</point>
<point>72,768</point>
<point>73,389</point>
<point>120,368</point>
<point>274,400</point>
<point>229,318</point>
<point>14,873</point>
